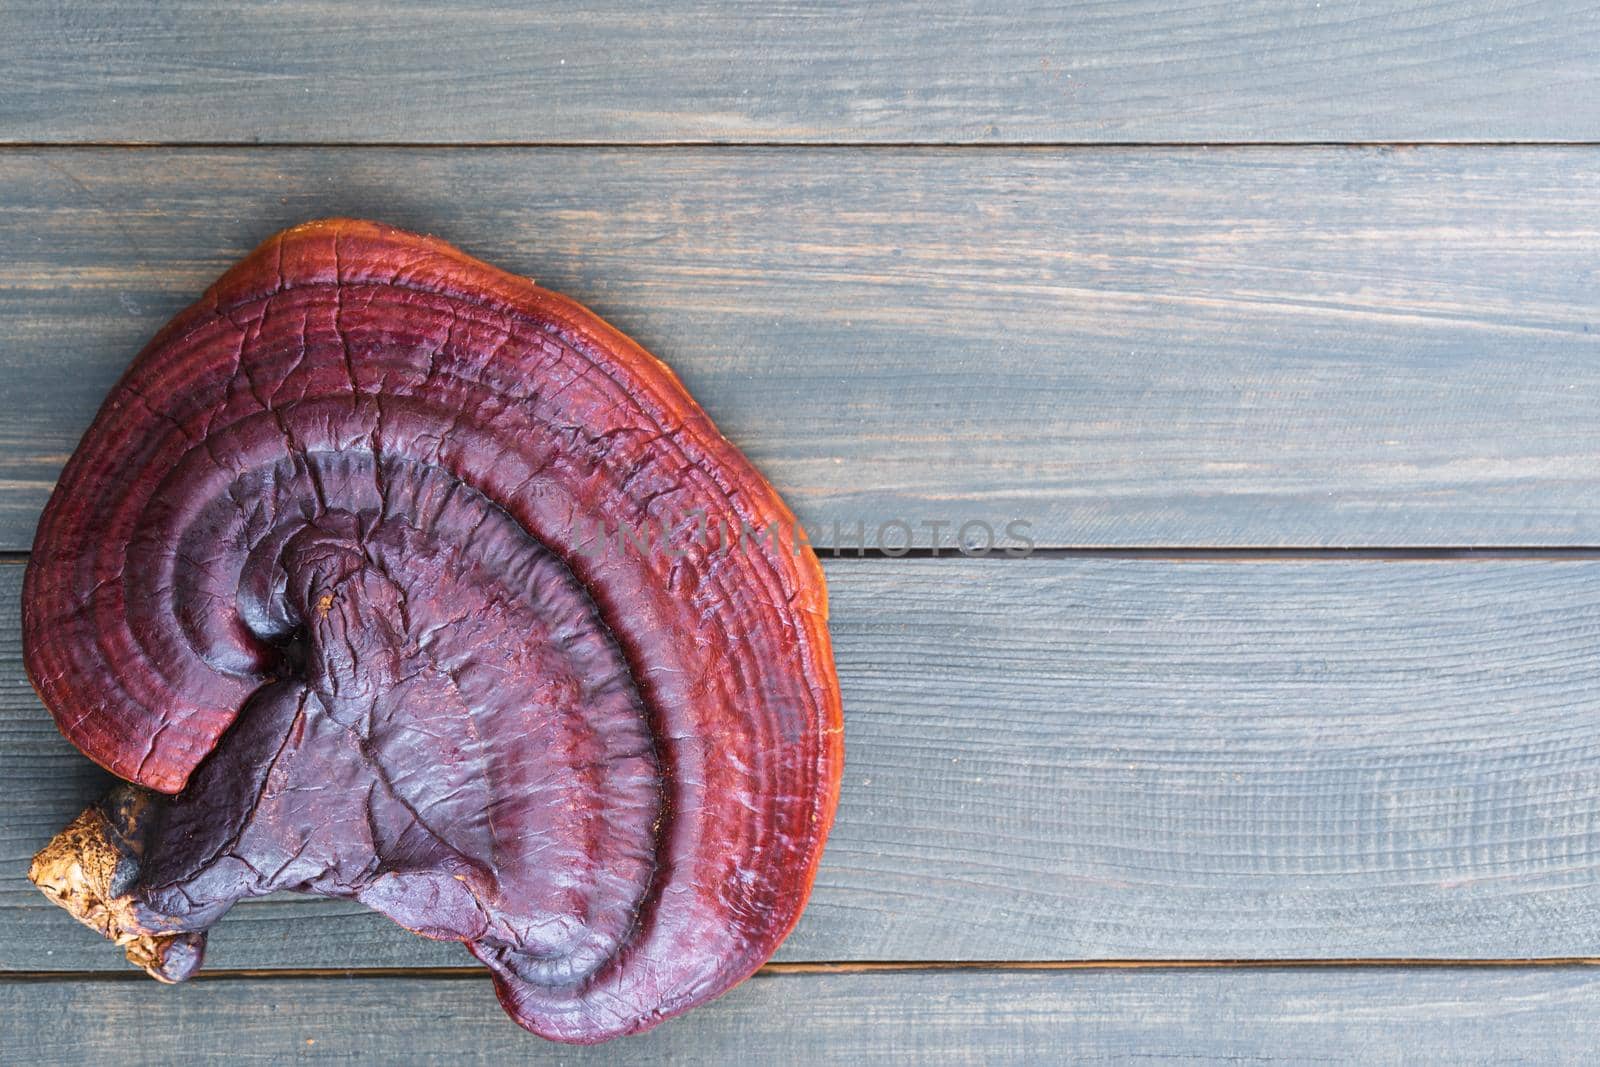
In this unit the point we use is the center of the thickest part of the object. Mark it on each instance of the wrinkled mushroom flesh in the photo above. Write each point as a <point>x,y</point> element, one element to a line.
<point>384,575</point>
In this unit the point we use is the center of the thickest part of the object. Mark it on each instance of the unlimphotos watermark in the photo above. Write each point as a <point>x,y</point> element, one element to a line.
<point>699,532</point>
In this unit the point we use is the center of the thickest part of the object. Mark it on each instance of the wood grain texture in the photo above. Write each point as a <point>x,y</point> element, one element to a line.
<point>1303,347</point>
<point>1080,759</point>
<point>962,71</point>
<point>1371,1015</point>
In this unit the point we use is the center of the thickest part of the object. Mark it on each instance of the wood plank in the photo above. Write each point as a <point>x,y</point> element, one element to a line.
<point>963,71</point>
<point>1091,759</point>
<point>1163,347</point>
<point>1372,1015</point>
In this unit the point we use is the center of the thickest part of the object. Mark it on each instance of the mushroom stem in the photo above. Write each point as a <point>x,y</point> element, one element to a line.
<point>91,869</point>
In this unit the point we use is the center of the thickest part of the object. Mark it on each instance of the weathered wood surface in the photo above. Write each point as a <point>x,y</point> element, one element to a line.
<point>1158,347</point>
<point>963,71</point>
<point>1049,759</point>
<point>1089,759</point>
<point>1367,1015</point>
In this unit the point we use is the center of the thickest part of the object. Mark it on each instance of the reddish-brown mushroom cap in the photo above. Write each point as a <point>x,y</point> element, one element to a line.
<point>423,586</point>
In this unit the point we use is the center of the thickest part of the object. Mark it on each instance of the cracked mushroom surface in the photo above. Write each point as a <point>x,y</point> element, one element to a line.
<point>386,575</point>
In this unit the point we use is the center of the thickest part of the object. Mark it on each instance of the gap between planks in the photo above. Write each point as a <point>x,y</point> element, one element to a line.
<point>1178,554</point>
<point>857,967</point>
<point>852,146</point>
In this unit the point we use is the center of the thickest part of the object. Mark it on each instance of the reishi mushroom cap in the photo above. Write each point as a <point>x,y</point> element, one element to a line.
<point>420,585</point>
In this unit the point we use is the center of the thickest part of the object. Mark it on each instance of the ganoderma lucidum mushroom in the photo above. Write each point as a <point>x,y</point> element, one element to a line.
<point>332,581</point>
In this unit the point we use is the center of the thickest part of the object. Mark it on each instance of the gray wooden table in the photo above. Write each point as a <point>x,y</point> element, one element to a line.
<point>1278,323</point>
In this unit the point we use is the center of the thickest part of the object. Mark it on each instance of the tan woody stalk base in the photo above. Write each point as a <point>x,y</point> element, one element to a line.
<point>89,868</point>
